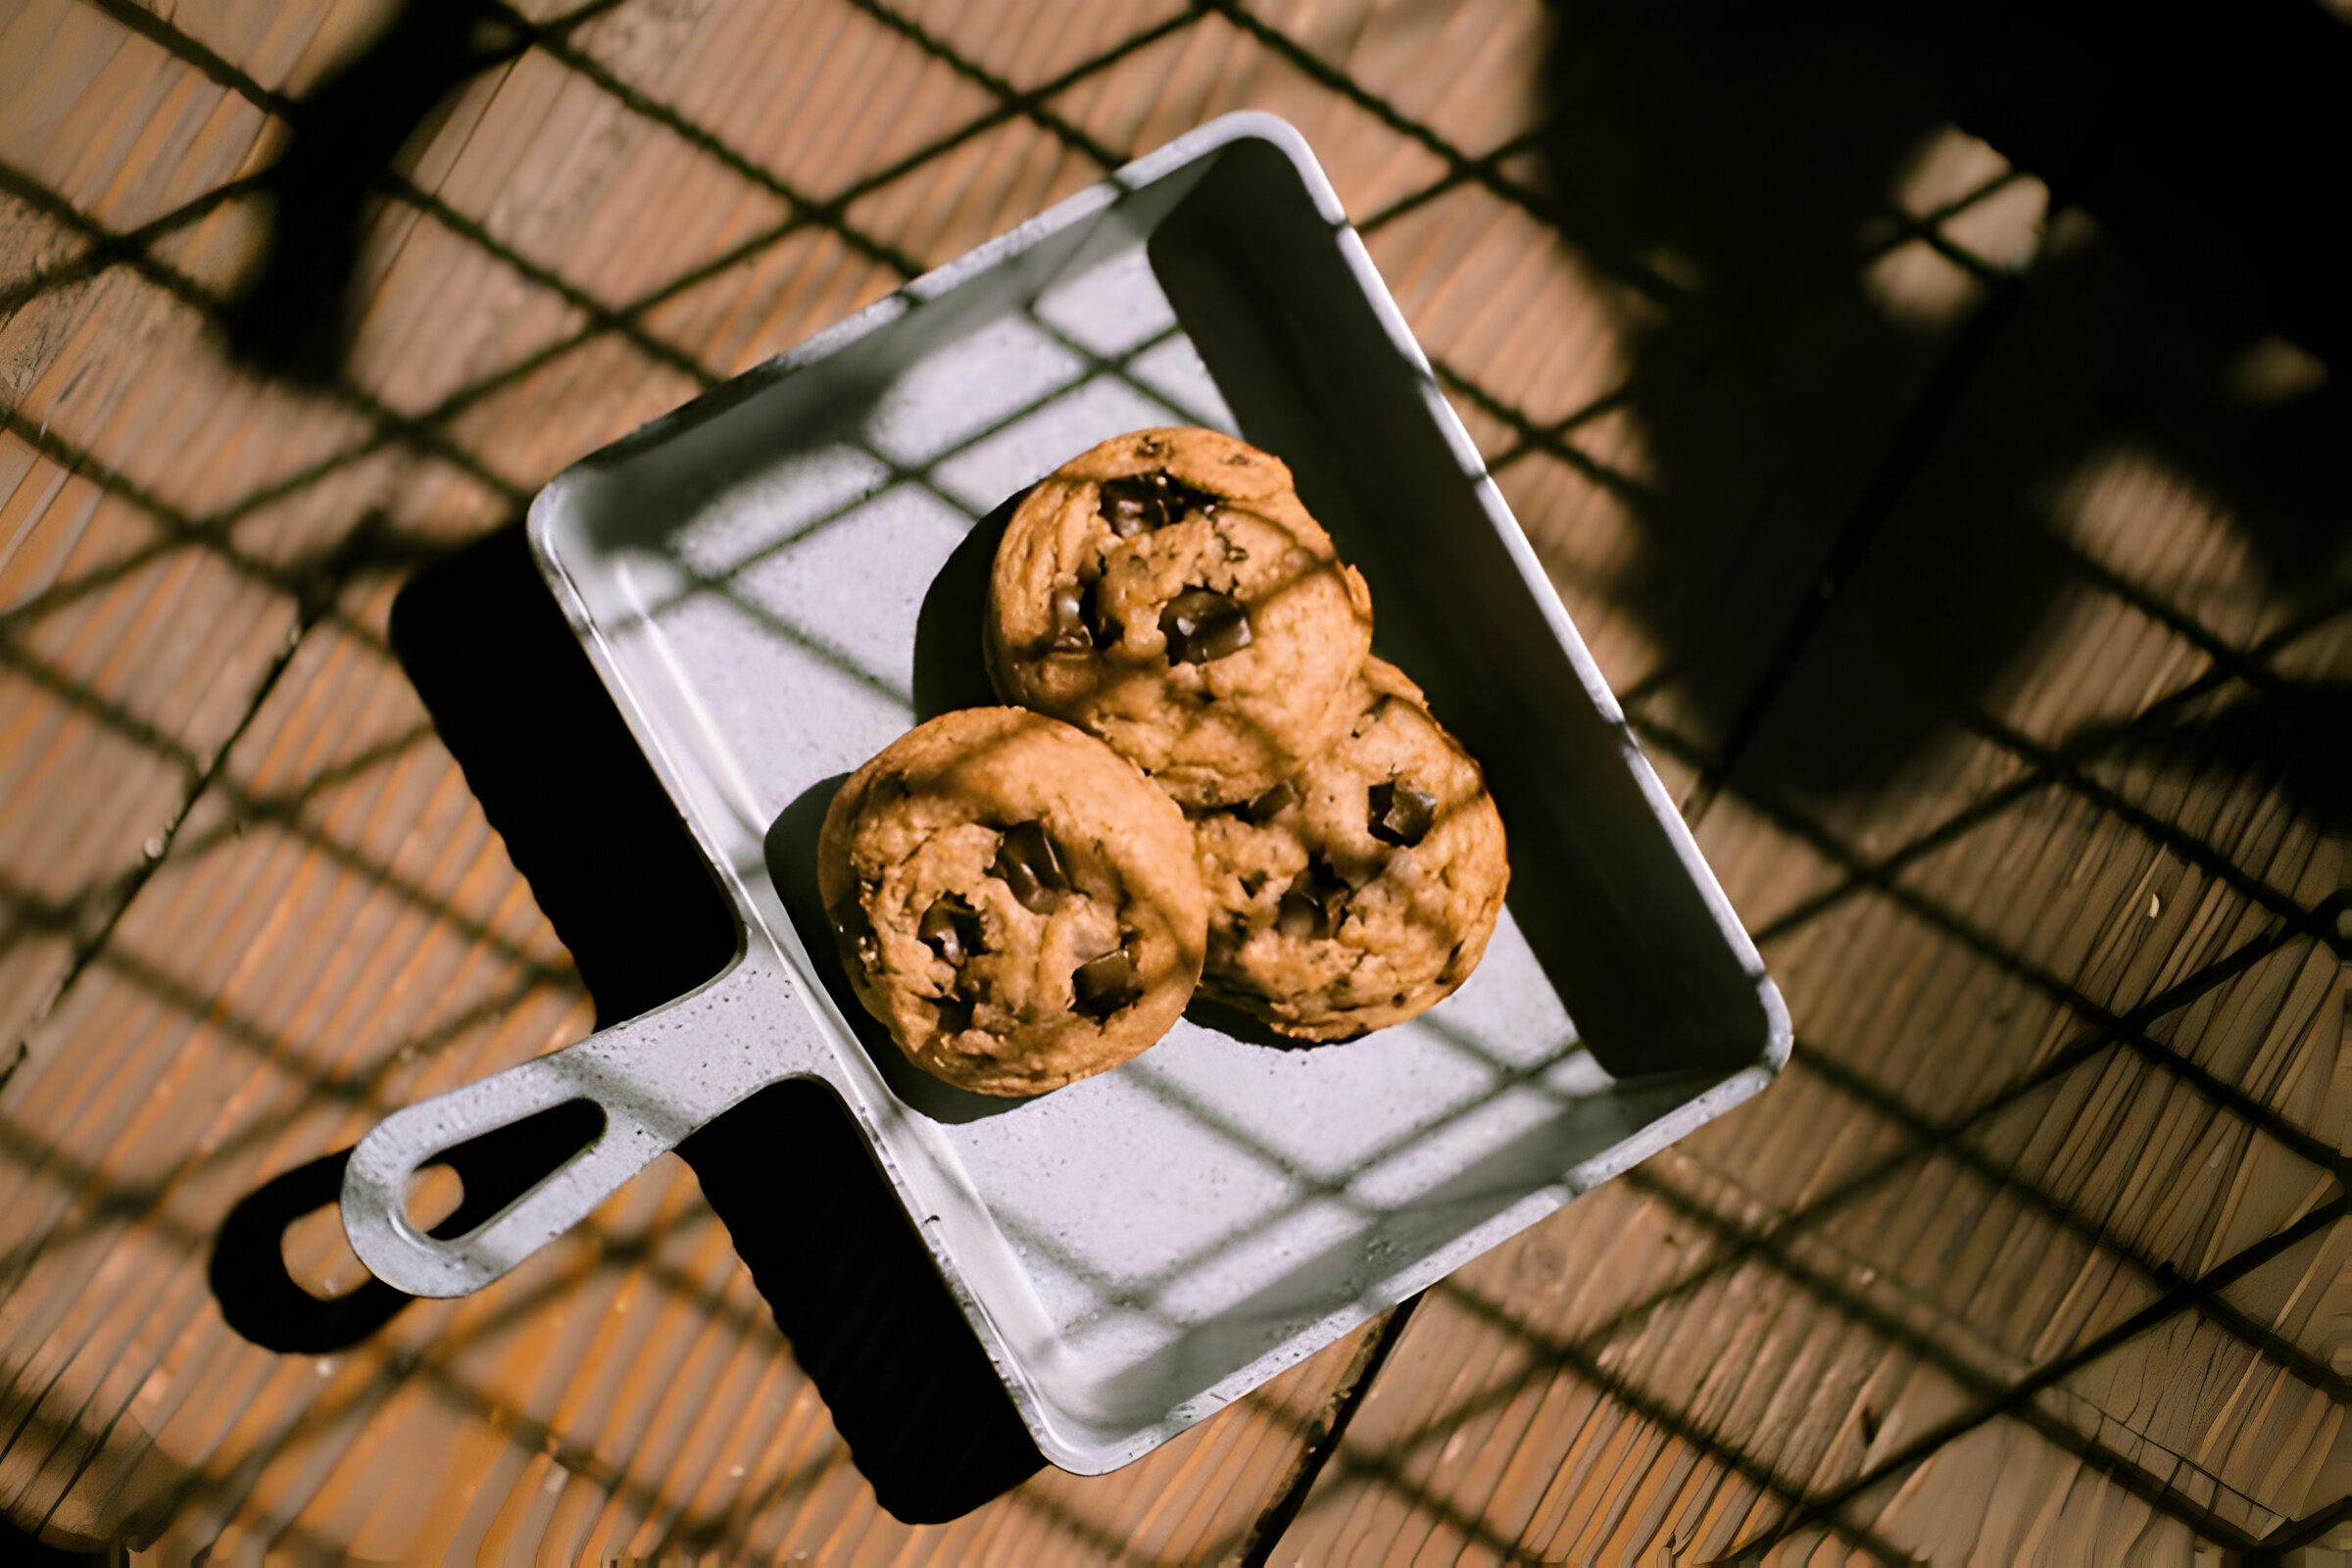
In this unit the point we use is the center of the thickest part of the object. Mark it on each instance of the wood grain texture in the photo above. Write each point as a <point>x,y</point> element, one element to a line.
<point>2038,1253</point>
<point>2071,1027</point>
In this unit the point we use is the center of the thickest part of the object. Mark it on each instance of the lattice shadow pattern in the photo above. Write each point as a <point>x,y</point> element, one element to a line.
<point>321,581</point>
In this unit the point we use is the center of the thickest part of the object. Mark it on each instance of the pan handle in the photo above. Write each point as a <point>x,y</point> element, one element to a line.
<point>656,1078</point>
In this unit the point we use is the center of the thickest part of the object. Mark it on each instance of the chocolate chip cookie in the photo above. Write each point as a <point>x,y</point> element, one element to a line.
<point>1361,890</point>
<point>1167,592</point>
<point>1013,899</point>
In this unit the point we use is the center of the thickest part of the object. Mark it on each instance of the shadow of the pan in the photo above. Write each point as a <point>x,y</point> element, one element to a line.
<point>587,824</point>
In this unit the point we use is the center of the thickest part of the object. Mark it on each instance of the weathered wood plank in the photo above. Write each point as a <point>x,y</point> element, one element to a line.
<point>1684,1358</point>
<point>1966,1177</point>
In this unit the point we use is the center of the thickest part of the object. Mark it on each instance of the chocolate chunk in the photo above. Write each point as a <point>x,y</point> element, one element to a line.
<point>1201,624</point>
<point>856,932</point>
<point>1101,628</point>
<point>1401,814</point>
<point>1100,986</point>
<point>951,927</point>
<point>1310,904</point>
<point>1271,805</point>
<point>955,1014</point>
<point>1031,866</point>
<point>1069,606</point>
<point>1142,502</point>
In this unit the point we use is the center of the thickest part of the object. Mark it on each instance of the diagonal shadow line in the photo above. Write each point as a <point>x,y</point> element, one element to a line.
<point>192,293</point>
<point>834,208</point>
<point>1971,1380</point>
<point>2261,1336</point>
<point>603,318</point>
<point>2190,847</point>
<point>1572,1354</point>
<point>39,1154</point>
<point>1144,1293</point>
<point>181,528</point>
<point>1962,821</point>
<point>1898,465</point>
<point>636,1253</point>
<point>285,806</point>
<point>2074,753</point>
<point>1649,283</point>
<point>1558,431</point>
<point>192,51</point>
<point>1860,1184</point>
<point>1474,171</point>
<point>1321,1439</point>
<point>707,141</point>
<point>2262,1115</point>
<point>2184,1295</point>
<point>1535,437</point>
<point>1872,876</point>
<point>308,609</point>
<point>1386,1467</point>
<point>2215,647</point>
<point>111,714</point>
<point>1032,104</point>
<point>307,575</point>
<point>206,1010</point>
<point>283,813</point>
<point>106,254</point>
<point>1995,1397</point>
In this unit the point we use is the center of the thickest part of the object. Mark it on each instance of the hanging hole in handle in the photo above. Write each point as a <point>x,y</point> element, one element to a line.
<point>268,1284</point>
<point>502,1165</point>
<point>435,1193</point>
<point>317,1256</point>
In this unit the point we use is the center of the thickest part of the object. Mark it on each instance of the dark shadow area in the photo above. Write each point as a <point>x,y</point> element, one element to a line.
<point>1740,170</point>
<point>31,1552</point>
<point>586,821</point>
<point>792,863</point>
<point>293,317</point>
<point>2216,139</point>
<point>949,669</point>
<point>827,1243</point>
<point>260,1298</point>
<point>1602,892</point>
<point>1210,1013</point>
<point>560,777</point>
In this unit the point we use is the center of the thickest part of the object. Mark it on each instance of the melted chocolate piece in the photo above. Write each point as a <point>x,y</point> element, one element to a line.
<point>1310,904</point>
<point>1100,629</point>
<point>1402,814</point>
<point>1271,805</point>
<point>1142,502</point>
<point>1031,866</point>
<point>953,929</point>
<point>1201,624</point>
<point>1069,609</point>
<point>955,1014</point>
<point>1100,986</point>
<point>855,931</point>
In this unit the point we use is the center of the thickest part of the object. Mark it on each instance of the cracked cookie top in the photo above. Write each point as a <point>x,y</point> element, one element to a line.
<point>1360,890</point>
<point>1167,592</point>
<point>1014,901</point>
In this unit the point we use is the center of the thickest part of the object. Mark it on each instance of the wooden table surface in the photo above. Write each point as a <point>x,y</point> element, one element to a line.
<point>1979,591</point>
